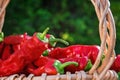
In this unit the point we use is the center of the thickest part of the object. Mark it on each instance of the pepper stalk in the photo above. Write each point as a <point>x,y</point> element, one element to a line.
<point>60,66</point>
<point>1,36</point>
<point>51,40</point>
<point>88,66</point>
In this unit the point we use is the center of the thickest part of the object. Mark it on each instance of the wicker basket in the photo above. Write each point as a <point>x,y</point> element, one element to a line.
<point>108,37</point>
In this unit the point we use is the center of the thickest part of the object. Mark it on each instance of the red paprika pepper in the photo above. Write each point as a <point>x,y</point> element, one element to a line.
<point>7,51</point>
<point>13,39</point>
<point>25,50</point>
<point>1,48</point>
<point>83,64</point>
<point>91,51</point>
<point>10,44</point>
<point>16,39</point>
<point>116,65</point>
<point>13,65</point>
<point>30,50</point>
<point>50,66</point>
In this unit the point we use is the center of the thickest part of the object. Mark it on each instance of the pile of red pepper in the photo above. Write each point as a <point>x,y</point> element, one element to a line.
<point>39,54</point>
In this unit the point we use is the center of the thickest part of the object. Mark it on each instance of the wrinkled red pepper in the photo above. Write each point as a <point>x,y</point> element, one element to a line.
<point>21,50</point>
<point>10,44</point>
<point>6,52</point>
<point>14,39</point>
<point>1,48</point>
<point>84,64</point>
<point>91,51</point>
<point>30,50</point>
<point>116,65</point>
<point>49,66</point>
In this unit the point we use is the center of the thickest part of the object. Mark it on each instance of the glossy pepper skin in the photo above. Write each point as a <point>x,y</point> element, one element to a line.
<point>84,64</point>
<point>11,43</point>
<point>91,51</point>
<point>116,65</point>
<point>30,50</point>
<point>7,51</point>
<point>15,39</point>
<point>49,66</point>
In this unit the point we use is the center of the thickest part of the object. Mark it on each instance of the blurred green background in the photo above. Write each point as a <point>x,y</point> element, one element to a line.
<point>72,20</point>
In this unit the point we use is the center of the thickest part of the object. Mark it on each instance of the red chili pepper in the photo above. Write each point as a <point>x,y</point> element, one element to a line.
<point>14,64</point>
<point>6,52</point>
<point>1,48</point>
<point>12,43</point>
<point>30,50</point>
<point>116,65</point>
<point>41,61</point>
<point>16,39</point>
<point>13,39</point>
<point>51,66</point>
<point>84,64</point>
<point>91,51</point>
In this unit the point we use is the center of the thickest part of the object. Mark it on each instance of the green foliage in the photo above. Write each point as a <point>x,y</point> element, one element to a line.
<point>74,20</point>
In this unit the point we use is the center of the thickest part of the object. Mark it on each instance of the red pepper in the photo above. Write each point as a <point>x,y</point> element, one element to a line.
<point>13,65</point>
<point>1,48</point>
<point>11,43</point>
<point>6,52</point>
<point>16,39</point>
<point>84,64</point>
<point>50,66</point>
<point>41,61</point>
<point>116,65</point>
<point>91,51</point>
<point>13,39</point>
<point>30,50</point>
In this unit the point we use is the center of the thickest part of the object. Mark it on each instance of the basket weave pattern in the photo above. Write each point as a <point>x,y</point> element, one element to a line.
<point>107,35</point>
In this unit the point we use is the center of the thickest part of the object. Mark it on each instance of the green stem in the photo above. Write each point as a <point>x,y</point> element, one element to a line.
<point>1,36</point>
<point>67,64</point>
<point>52,41</point>
<point>88,66</point>
<point>60,66</point>
<point>45,53</point>
<point>118,75</point>
<point>44,33</point>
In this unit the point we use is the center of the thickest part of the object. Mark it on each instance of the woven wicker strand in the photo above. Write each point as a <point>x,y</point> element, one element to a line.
<point>107,33</point>
<point>3,5</point>
<point>81,75</point>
